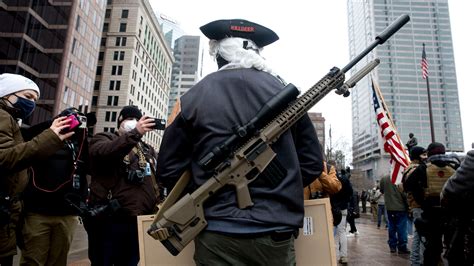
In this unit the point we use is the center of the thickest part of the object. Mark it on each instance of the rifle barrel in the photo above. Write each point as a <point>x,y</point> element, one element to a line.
<point>381,38</point>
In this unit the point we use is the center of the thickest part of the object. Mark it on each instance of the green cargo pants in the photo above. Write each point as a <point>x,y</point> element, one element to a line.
<point>47,239</point>
<point>218,249</point>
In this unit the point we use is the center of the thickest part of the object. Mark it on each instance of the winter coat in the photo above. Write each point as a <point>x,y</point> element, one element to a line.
<point>327,183</point>
<point>458,192</point>
<point>109,173</point>
<point>16,155</point>
<point>209,111</point>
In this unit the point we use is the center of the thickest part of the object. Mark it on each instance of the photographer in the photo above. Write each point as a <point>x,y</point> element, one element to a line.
<point>18,95</point>
<point>56,183</point>
<point>123,186</point>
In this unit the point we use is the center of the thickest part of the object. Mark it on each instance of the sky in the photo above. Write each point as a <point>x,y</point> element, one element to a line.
<point>313,39</point>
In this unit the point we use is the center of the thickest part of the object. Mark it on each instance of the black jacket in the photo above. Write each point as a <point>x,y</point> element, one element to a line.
<point>341,199</point>
<point>54,181</point>
<point>458,192</point>
<point>209,111</point>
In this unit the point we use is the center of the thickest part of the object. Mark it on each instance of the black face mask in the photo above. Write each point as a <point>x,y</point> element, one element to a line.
<point>24,106</point>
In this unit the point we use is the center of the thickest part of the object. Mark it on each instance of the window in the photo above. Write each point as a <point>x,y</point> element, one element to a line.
<point>119,55</point>
<point>121,41</point>
<point>125,13</point>
<point>112,100</point>
<point>122,28</point>
<point>103,41</point>
<point>94,100</point>
<point>107,13</point>
<point>106,27</point>
<point>114,85</point>
<point>107,116</point>
<point>97,85</point>
<point>117,70</point>
<point>113,118</point>
<point>99,70</point>
<point>73,48</point>
<point>101,56</point>
<point>66,94</point>
<point>78,22</point>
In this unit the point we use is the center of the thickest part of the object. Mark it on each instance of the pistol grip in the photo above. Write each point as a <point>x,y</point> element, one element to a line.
<point>243,195</point>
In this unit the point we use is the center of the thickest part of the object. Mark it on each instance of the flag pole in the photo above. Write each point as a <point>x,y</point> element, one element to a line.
<point>389,115</point>
<point>425,76</point>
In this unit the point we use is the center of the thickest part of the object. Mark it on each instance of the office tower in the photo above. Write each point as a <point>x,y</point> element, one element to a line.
<point>318,122</point>
<point>134,66</point>
<point>171,29</point>
<point>186,68</point>
<point>400,78</point>
<point>55,43</point>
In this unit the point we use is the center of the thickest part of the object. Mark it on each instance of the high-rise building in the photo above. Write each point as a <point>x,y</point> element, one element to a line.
<point>171,29</point>
<point>400,78</point>
<point>55,43</point>
<point>134,66</point>
<point>319,125</point>
<point>186,68</point>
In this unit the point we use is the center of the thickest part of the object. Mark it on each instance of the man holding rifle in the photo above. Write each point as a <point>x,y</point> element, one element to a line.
<point>230,97</point>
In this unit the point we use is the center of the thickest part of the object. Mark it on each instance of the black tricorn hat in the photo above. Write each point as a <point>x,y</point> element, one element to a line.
<point>224,28</point>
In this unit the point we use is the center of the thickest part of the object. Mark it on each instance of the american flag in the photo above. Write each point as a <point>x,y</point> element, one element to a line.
<point>399,159</point>
<point>424,64</point>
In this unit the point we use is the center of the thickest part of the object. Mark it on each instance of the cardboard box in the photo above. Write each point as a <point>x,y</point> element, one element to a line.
<point>314,245</point>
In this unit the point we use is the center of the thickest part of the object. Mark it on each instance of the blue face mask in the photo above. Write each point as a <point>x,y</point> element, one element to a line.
<point>24,106</point>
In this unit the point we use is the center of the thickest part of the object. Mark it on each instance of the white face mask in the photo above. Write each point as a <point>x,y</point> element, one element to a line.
<point>129,125</point>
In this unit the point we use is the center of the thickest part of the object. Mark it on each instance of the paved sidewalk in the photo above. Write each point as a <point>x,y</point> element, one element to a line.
<point>369,248</point>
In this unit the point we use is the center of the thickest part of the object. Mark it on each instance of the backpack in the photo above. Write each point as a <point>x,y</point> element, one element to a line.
<point>436,177</point>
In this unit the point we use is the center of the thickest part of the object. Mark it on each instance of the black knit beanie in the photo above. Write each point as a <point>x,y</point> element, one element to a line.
<point>128,112</point>
<point>415,152</point>
<point>436,148</point>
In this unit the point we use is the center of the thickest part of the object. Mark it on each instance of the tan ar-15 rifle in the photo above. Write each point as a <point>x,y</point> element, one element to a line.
<point>179,221</point>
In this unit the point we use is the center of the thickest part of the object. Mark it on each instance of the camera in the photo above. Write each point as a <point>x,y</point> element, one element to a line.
<point>104,209</point>
<point>98,210</point>
<point>135,176</point>
<point>160,124</point>
<point>76,121</point>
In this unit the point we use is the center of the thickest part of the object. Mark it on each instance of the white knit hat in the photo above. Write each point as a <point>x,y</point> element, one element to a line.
<point>11,83</point>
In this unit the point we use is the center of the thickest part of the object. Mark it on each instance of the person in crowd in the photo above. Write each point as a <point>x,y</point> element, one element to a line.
<point>412,142</point>
<point>339,204</point>
<point>123,186</point>
<point>396,207</point>
<point>363,198</point>
<point>381,211</point>
<point>241,86</point>
<point>56,189</point>
<point>417,156</point>
<point>353,212</point>
<point>373,203</point>
<point>325,185</point>
<point>457,197</point>
<point>425,184</point>
<point>18,95</point>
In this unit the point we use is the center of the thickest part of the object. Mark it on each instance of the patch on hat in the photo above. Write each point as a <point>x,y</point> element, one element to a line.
<point>225,28</point>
